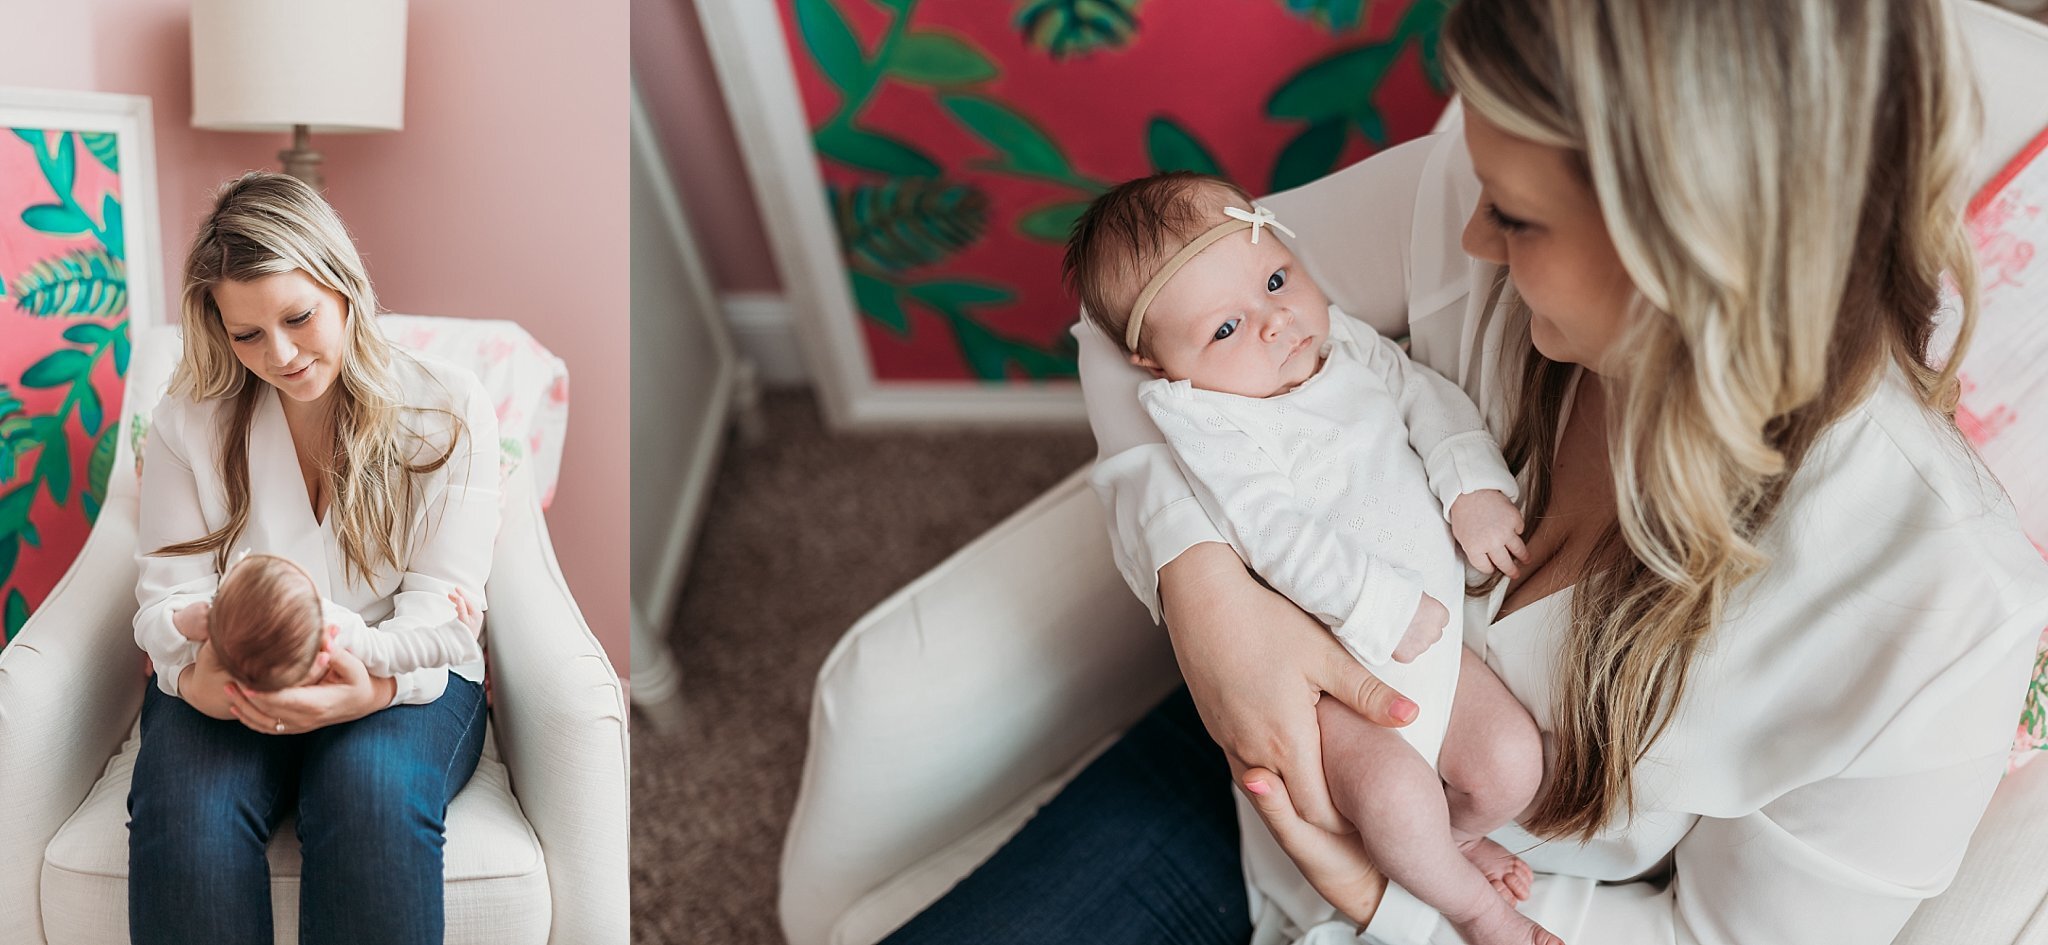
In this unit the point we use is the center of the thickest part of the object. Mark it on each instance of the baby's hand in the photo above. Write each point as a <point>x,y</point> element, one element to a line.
<point>1489,529</point>
<point>1424,629</point>
<point>466,613</point>
<point>191,621</point>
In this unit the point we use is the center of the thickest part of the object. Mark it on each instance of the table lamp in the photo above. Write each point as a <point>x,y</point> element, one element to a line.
<point>298,65</point>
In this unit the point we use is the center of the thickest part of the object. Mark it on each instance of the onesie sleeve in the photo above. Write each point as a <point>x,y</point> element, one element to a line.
<point>393,652</point>
<point>1363,598</point>
<point>1444,427</point>
<point>169,513</point>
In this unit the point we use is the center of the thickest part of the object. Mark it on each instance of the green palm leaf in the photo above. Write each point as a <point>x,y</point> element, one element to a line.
<point>906,222</point>
<point>1071,27</point>
<point>84,281</point>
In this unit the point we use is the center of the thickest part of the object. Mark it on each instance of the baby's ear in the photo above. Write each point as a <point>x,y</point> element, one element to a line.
<point>1148,364</point>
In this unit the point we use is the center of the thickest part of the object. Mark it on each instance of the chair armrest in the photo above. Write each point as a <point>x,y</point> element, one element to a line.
<point>949,701</point>
<point>70,684</point>
<point>560,716</point>
<point>2000,894</point>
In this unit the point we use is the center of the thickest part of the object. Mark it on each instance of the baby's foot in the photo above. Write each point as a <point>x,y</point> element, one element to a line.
<point>1508,874</point>
<point>1504,926</point>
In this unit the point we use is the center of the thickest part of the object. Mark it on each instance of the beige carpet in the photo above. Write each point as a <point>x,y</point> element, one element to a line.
<point>804,533</point>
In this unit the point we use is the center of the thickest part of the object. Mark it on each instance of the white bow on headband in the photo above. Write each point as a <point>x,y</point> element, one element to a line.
<point>1257,216</point>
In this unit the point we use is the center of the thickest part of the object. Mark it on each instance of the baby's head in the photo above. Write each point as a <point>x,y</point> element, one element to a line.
<point>1241,317</point>
<point>265,623</point>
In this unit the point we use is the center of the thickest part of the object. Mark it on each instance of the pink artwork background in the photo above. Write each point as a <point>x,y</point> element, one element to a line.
<point>1217,71</point>
<point>57,410</point>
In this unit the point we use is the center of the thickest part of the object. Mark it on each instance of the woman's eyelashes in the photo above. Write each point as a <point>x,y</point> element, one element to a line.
<point>294,321</point>
<point>1503,222</point>
<point>1227,329</point>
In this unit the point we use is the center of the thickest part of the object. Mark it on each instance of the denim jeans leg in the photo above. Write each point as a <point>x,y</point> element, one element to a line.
<point>204,800</point>
<point>373,803</point>
<point>1141,848</point>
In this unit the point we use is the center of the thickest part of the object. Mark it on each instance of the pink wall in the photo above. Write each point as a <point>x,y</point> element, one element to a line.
<point>680,90</point>
<point>505,197</point>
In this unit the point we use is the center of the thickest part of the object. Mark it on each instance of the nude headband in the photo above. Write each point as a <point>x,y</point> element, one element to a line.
<point>1251,219</point>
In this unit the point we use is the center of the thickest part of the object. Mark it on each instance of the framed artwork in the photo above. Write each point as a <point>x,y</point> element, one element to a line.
<point>918,164</point>
<point>79,265</point>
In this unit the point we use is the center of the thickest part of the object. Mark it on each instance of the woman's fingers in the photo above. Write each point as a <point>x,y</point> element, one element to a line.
<point>1355,686</point>
<point>1335,864</point>
<point>1303,763</point>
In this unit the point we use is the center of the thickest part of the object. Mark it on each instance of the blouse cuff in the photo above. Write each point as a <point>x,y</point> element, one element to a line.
<point>1401,919</point>
<point>1153,516</point>
<point>1467,462</point>
<point>1169,533</point>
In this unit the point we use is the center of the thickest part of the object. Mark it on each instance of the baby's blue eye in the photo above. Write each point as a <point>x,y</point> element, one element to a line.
<point>1276,280</point>
<point>1227,329</point>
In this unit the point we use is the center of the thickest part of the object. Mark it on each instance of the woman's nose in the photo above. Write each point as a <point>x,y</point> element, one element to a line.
<point>282,351</point>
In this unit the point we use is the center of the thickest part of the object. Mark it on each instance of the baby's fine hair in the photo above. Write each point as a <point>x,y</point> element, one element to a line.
<point>265,623</point>
<point>1125,235</point>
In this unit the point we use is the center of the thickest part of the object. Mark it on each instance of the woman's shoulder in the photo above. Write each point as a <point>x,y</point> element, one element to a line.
<point>1894,518</point>
<point>1893,445</point>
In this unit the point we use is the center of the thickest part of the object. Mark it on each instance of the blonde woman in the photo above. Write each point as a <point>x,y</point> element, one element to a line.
<point>1775,621</point>
<point>293,428</point>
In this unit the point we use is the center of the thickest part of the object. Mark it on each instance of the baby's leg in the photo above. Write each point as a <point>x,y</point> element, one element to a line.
<point>1492,766</point>
<point>1384,788</point>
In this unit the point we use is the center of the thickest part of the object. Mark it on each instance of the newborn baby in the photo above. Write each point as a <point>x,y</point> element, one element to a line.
<point>267,621</point>
<point>1331,463</point>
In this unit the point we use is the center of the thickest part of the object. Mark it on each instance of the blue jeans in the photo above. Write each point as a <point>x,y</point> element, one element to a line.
<point>371,797</point>
<point>1142,847</point>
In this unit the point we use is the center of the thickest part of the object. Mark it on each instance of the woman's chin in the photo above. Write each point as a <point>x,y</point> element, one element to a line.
<point>1547,341</point>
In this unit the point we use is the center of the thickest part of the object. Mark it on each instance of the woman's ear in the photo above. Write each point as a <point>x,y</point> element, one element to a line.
<point>1148,364</point>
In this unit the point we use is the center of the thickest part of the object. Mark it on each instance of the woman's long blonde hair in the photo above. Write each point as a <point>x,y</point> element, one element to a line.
<point>1784,182</point>
<point>264,224</point>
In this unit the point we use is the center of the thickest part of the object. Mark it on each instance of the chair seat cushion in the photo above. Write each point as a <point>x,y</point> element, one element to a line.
<point>497,887</point>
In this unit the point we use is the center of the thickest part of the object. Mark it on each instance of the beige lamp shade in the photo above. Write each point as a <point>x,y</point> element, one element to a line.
<point>267,65</point>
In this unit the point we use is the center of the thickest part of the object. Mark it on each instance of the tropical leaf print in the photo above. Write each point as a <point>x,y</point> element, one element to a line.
<point>1074,27</point>
<point>104,147</point>
<point>1174,148</point>
<point>1336,94</point>
<point>14,427</point>
<point>932,58</point>
<point>1333,15</point>
<point>2034,720</point>
<point>86,281</point>
<point>907,222</point>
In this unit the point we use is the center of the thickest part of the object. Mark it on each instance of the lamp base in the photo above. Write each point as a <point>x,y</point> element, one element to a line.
<point>301,161</point>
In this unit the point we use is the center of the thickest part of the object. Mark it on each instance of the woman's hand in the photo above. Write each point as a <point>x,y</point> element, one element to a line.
<point>1256,664</point>
<point>342,691</point>
<point>204,685</point>
<point>1334,863</point>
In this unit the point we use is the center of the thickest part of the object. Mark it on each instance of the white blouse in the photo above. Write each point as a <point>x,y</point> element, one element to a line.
<point>455,522</point>
<point>1842,732</point>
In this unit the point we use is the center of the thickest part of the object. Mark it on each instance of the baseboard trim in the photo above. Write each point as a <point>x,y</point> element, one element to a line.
<point>764,330</point>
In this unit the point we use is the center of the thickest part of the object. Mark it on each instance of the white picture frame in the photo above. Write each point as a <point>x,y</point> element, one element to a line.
<point>751,57</point>
<point>127,117</point>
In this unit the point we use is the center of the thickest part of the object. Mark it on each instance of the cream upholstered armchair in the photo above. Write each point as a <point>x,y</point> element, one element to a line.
<point>958,706</point>
<point>537,841</point>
